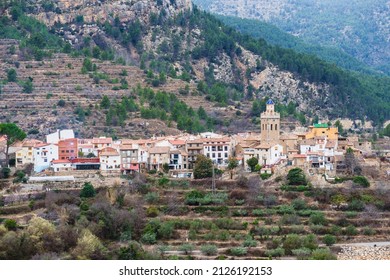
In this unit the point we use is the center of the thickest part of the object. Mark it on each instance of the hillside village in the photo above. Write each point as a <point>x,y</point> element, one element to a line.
<point>149,130</point>
<point>318,147</point>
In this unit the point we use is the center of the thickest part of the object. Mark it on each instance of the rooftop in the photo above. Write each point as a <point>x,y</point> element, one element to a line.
<point>321,125</point>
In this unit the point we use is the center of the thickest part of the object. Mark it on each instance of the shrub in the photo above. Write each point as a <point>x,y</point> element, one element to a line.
<point>299,204</point>
<point>356,205</point>
<point>329,239</point>
<point>285,209</point>
<point>238,251</point>
<point>265,176</point>
<point>351,214</point>
<point>209,250</point>
<point>292,241</point>
<point>290,219</point>
<point>186,248</point>
<point>166,230</point>
<point>351,230</point>
<point>152,197</point>
<point>239,202</point>
<point>296,177</point>
<point>318,219</point>
<point>240,213</point>
<point>148,238</point>
<point>163,181</point>
<point>258,212</point>
<point>61,103</point>
<point>152,212</point>
<point>368,231</point>
<point>10,224</point>
<point>322,254</point>
<point>192,198</point>
<point>361,181</point>
<point>319,229</point>
<point>278,252</point>
<point>87,191</point>
<point>270,200</point>
<point>249,242</point>
<point>5,172</point>
<point>301,253</point>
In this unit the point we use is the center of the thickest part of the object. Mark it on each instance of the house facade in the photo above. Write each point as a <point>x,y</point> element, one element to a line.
<point>44,154</point>
<point>68,149</point>
<point>25,154</point>
<point>110,160</point>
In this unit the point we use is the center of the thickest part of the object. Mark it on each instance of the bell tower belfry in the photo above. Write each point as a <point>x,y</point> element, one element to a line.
<point>270,124</point>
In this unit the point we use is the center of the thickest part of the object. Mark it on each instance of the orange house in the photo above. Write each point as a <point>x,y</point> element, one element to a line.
<point>67,149</point>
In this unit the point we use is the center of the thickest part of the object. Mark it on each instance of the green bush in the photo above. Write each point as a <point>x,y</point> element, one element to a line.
<point>148,238</point>
<point>322,254</point>
<point>296,177</point>
<point>152,212</point>
<point>290,219</point>
<point>166,230</point>
<point>368,231</point>
<point>292,241</point>
<point>299,204</point>
<point>300,188</point>
<point>87,191</point>
<point>193,197</point>
<point>186,248</point>
<point>361,181</point>
<point>265,176</point>
<point>274,253</point>
<point>318,218</point>
<point>329,239</point>
<point>258,212</point>
<point>285,209</point>
<point>302,253</point>
<point>238,251</point>
<point>351,214</point>
<point>152,197</point>
<point>240,213</point>
<point>5,172</point>
<point>209,250</point>
<point>356,205</point>
<point>10,224</point>
<point>249,242</point>
<point>163,181</point>
<point>351,230</point>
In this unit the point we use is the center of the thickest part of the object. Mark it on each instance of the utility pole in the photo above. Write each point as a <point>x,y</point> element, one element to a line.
<point>213,180</point>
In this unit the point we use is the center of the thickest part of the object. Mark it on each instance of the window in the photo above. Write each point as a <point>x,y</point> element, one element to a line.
<point>226,155</point>
<point>219,155</point>
<point>208,155</point>
<point>276,127</point>
<point>213,155</point>
<point>45,160</point>
<point>271,126</point>
<point>226,148</point>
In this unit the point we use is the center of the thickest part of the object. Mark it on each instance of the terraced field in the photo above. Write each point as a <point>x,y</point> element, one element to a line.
<point>242,219</point>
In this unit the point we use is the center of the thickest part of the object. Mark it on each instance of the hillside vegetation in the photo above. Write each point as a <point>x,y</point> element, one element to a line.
<point>359,28</point>
<point>215,66</point>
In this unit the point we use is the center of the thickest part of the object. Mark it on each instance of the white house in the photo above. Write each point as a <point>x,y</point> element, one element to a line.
<point>44,154</point>
<point>60,165</point>
<point>218,150</point>
<point>110,160</point>
<point>269,154</point>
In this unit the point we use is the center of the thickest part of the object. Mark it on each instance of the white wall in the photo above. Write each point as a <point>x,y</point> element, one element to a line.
<point>42,160</point>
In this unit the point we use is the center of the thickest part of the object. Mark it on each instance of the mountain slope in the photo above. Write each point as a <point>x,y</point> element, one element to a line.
<point>275,36</point>
<point>360,28</point>
<point>212,71</point>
